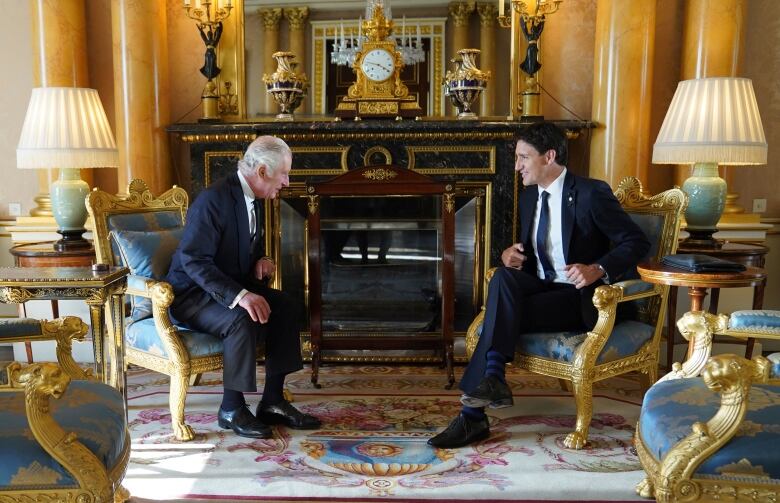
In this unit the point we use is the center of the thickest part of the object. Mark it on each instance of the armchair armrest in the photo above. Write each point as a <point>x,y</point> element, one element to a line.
<point>732,377</point>
<point>139,285</point>
<point>63,331</point>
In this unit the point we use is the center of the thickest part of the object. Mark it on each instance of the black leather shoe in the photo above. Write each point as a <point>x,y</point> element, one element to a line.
<point>243,423</point>
<point>490,392</point>
<point>461,431</point>
<point>284,413</point>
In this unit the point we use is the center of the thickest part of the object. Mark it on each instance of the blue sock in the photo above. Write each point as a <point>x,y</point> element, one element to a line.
<point>473,412</point>
<point>495,365</point>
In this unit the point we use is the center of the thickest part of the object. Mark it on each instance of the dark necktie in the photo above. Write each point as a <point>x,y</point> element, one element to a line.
<point>254,242</point>
<point>542,234</point>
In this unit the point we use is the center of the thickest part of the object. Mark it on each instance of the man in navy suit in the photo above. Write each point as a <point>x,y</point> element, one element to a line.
<point>574,236</point>
<point>219,274</point>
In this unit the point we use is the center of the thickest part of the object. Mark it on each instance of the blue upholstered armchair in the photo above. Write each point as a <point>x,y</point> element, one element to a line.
<point>142,231</point>
<point>708,430</point>
<point>73,448</point>
<point>611,348</point>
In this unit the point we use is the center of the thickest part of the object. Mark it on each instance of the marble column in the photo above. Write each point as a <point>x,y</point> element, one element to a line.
<point>460,14</point>
<point>271,18</point>
<point>713,43</point>
<point>622,83</point>
<point>60,52</point>
<point>487,59</point>
<point>296,19</point>
<point>141,92</point>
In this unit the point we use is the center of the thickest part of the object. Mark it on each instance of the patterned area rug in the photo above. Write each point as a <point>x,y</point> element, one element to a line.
<point>372,446</point>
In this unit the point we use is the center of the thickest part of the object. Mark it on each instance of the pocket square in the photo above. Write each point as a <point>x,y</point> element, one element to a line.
<point>701,263</point>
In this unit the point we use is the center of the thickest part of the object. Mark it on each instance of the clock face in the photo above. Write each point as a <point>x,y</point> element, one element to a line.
<point>377,65</point>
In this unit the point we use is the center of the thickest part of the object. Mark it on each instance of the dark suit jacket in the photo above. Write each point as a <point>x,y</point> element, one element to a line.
<point>214,254</point>
<point>595,230</point>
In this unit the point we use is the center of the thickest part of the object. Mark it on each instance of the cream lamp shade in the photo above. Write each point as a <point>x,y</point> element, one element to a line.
<point>67,128</point>
<point>710,121</point>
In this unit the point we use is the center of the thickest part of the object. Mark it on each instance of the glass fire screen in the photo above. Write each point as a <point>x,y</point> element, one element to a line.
<point>381,262</point>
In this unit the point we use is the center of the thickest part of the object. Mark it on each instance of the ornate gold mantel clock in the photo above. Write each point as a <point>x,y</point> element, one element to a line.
<point>378,91</point>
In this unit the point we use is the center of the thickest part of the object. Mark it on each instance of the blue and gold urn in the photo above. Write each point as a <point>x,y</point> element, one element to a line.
<point>465,83</point>
<point>287,87</point>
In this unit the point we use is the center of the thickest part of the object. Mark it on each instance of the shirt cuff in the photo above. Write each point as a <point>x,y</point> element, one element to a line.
<point>239,297</point>
<point>604,278</point>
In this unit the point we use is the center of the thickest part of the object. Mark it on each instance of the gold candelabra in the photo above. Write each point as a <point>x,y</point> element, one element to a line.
<point>526,101</point>
<point>208,16</point>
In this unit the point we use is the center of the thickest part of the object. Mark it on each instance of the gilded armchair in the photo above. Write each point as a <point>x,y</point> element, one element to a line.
<point>708,429</point>
<point>142,231</point>
<point>610,348</point>
<point>73,448</point>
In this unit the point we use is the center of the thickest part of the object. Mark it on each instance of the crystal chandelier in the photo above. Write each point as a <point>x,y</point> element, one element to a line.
<point>408,43</point>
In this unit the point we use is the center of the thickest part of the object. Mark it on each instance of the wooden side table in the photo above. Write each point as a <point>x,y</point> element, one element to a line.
<point>44,255</point>
<point>698,283</point>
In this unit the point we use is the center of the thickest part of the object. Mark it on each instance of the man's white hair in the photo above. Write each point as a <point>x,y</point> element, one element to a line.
<point>268,151</point>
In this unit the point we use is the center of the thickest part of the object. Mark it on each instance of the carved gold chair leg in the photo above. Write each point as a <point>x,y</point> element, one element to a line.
<point>583,396</point>
<point>121,495</point>
<point>178,394</point>
<point>645,488</point>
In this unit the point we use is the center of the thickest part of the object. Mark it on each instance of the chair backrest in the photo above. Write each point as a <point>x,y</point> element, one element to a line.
<point>139,210</point>
<point>659,217</point>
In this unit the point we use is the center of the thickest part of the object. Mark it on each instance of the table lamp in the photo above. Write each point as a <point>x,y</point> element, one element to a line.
<point>67,128</point>
<point>709,122</point>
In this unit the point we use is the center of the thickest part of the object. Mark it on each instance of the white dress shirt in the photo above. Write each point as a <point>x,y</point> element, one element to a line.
<point>555,239</point>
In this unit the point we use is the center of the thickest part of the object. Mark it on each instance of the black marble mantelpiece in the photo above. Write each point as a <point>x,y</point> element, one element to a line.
<point>476,154</point>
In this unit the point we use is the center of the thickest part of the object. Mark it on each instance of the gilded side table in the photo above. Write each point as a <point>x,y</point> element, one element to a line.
<point>44,255</point>
<point>99,289</point>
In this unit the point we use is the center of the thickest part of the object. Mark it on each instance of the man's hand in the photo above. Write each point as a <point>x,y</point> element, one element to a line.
<point>583,275</point>
<point>264,268</point>
<point>513,256</point>
<point>256,306</point>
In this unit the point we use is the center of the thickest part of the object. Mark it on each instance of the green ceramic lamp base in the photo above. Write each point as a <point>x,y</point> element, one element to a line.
<point>706,199</point>
<point>68,193</point>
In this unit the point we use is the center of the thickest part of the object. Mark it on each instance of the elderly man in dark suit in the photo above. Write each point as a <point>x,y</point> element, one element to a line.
<point>219,275</point>
<point>574,236</point>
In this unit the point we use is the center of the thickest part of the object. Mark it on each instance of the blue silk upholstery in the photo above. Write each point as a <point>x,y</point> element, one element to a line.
<point>626,339</point>
<point>671,407</point>
<point>92,410</point>
<point>755,320</point>
<point>148,254</point>
<point>142,221</point>
<point>143,336</point>
<point>19,327</point>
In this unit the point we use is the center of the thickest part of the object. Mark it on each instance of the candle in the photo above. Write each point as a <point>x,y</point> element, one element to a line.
<point>228,3</point>
<point>500,7</point>
<point>417,29</point>
<point>342,35</point>
<point>186,3</point>
<point>403,31</point>
<point>360,30</point>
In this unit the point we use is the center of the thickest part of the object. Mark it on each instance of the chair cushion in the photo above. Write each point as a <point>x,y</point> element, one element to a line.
<point>19,327</point>
<point>626,339</point>
<point>92,410</point>
<point>142,335</point>
<point>760,320</point>
<point>671,407</point>
<point>149,254</point>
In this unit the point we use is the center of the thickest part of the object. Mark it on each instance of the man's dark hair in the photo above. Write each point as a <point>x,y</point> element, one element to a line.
<point>544,136</point>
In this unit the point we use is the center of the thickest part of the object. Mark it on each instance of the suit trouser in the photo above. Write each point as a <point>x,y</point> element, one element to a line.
<point>240,335</point>
<point>519,303</point>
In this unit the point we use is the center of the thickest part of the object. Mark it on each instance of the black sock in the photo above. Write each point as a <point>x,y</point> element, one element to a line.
<point>232,400</point>
<point>273,391</point>
<point>473,412</point>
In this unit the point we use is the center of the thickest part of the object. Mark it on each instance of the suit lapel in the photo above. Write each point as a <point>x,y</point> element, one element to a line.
<point>568,212</point>
<point>242,220</point>
<point>528,199</point>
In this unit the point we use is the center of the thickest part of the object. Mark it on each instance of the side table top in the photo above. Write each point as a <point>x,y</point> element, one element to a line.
<point>729,249</point>
<point>656,272</point>
<point>46,249</point>
<point>35,277</point>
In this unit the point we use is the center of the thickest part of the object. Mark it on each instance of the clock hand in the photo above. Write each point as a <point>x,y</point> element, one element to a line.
<point>383,67</point>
